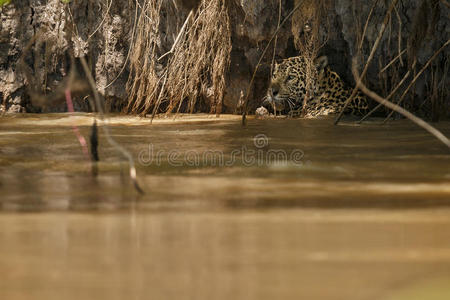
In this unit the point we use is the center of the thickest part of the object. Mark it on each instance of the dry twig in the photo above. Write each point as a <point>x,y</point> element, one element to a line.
<point>436,133</point>
<point>418,75</point>
<point>105,128</point>
<point>372,53</point>
<point>393,61</point>
<point>387,98</point>
<point>177,40</point>
<point>366,25</point>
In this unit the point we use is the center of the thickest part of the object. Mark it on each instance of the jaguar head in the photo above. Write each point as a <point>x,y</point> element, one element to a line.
<point>288,85</point>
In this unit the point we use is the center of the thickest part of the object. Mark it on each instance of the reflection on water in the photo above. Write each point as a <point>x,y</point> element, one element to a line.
<point>280,209</point>
<point>206,162</point>
<point>279,254</point>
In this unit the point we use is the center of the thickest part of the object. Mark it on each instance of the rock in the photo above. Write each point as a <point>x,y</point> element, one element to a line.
<point>262,112</point>
<point>16,108</point>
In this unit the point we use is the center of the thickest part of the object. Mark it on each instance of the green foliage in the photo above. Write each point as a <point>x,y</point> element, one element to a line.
<point>4,2</point>
<point>64,1</point>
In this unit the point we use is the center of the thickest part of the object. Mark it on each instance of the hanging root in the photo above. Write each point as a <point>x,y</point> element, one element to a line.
<point>395,68</point>
<point>436,133</point>
<point>418,75</point>
<point>369,60</point>
<point>193,69</point>
<point>247,94</point>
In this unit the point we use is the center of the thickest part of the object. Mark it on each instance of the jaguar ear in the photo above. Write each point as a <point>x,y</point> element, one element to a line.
<point>320,63</point>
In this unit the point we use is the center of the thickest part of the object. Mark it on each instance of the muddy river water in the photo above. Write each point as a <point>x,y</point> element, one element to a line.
<point>279,209</point>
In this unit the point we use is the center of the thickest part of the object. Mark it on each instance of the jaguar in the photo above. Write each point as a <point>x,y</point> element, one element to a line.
<point>294,79</point>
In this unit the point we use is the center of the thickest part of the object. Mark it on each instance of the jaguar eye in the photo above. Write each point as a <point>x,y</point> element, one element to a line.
<point>290,77</point>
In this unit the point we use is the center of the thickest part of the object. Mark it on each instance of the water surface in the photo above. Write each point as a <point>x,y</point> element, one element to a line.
<point>280,209</point>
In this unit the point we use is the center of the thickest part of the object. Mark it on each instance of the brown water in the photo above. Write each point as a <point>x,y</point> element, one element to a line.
<point>345,212</point>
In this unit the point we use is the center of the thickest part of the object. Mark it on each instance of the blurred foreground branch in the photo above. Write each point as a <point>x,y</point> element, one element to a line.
<point>397,108</point>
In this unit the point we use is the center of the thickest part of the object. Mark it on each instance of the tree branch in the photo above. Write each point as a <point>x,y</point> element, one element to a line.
<point>418,121</point>
<point>372,53</point>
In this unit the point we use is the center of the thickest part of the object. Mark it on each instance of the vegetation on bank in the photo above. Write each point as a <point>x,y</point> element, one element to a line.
<point>192,73</point>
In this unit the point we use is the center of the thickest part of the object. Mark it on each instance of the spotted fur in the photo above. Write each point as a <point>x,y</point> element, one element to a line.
<point>327,92</point>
